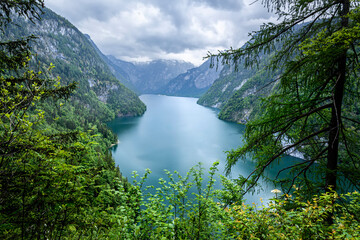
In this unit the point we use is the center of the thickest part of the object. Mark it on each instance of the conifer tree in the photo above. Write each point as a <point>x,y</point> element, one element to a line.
<point>315,105</point>
<point>30,161</point>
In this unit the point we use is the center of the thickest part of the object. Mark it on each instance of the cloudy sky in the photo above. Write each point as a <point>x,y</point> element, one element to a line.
<point>142,30</point>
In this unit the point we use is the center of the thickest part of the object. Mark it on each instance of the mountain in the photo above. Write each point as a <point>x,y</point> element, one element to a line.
<point>194,82</point>
<point>119,73</point>
<point>150,77</point>
<point>225,86</point>
<point>99,93</point>
<point>237,93</point>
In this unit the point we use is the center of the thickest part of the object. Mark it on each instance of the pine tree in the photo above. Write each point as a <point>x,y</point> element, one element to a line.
<point>315,105</point>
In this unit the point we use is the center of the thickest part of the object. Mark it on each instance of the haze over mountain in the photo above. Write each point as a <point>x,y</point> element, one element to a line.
<point>118,72</point>
<point>152,76</point>
<point>194,82</point>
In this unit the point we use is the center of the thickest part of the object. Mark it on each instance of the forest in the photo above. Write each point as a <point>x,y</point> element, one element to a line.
<point>58,179</point>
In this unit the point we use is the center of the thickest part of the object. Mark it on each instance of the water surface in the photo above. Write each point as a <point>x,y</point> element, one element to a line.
<point>175,134</point>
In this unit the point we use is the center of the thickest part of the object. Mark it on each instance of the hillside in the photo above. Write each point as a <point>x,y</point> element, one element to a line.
<point>194,82</point>
<point>58,179</point>
<point>224,87</point>
<point>55,165</point>
<point>237,93</point>
<point>119,73</point>
<point>76,60</point>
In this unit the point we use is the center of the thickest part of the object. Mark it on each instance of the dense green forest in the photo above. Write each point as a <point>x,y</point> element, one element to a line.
<point>59,181</point>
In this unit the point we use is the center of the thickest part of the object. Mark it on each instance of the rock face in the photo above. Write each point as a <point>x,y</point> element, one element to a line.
<point>119,73</point>
<point>194,82</point>
<point>238,93</point>
<point>150,77</point>
<point>224,87</point>
<point>76,59</point>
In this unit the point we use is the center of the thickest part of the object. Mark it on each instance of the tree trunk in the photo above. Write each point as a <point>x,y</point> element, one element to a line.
<point>335,122</point>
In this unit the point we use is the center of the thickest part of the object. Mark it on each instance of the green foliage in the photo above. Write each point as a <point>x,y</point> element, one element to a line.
<point>58,181</point>
<point>296,218</point>
<point>52,174</point>
<point>245,103</point>
<point>182,207</point>
<point>49,180</point>
<point>310,108</point>
<point>223,88</point>
<point>61,44</point>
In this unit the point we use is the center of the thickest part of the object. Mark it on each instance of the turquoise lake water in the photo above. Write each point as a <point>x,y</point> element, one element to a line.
<point>175,133</point>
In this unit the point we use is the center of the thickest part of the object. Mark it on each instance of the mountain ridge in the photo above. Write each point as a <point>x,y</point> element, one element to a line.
<point>194,82</point>
<point>152,76</point>
<point>61,43</point>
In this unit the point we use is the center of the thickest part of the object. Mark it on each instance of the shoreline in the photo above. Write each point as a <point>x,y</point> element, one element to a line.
<point>114,144</point>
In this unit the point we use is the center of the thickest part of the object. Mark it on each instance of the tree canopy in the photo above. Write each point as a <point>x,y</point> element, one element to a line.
<point>314,105</point>
<point>50,181</point>
<point>63,183</point>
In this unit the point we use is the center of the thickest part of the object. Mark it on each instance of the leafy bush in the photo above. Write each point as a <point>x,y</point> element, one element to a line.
<point>182,207</point>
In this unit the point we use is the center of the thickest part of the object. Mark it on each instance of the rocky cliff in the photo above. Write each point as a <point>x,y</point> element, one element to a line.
<point>194,82</point>
<point>238,93</point>
<point>75,59</point>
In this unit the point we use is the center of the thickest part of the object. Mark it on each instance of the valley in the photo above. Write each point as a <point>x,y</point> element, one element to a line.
<point>123,130</point>
<point>186,135</point>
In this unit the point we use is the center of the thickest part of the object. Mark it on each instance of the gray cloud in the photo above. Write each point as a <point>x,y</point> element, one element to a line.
<point>151,29</point>
<point>233,5</point>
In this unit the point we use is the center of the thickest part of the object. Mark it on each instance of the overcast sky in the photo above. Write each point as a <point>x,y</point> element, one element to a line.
<point>142,30</point>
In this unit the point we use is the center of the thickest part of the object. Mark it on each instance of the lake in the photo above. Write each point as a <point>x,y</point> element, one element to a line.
<point>175,133</point>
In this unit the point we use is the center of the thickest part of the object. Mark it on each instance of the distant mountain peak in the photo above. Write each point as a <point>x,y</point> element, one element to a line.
<point>151,76</point>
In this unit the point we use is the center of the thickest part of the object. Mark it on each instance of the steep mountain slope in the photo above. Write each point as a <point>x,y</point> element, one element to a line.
<point>119,73</point>
<point>238,93</point>
<point>194,82</point>
<point>59,42</point>
<point>224,87</point>
<point>150,77</point>
<point>245,103</point>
